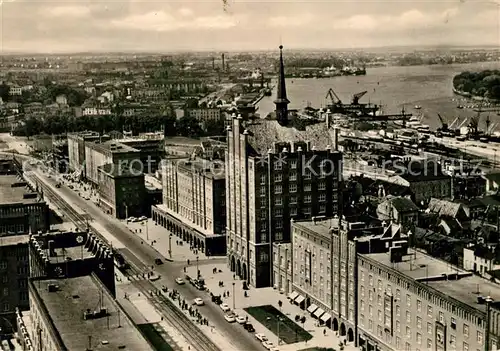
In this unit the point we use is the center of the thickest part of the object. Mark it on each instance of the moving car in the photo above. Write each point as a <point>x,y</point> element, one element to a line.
<point>230,318</point>
<point>131,219</point>
<point>198,302</point>
<point>225,307</point>
<point>261,337</point>
<point>179,281</point>
<point>142,218</point>
<point>241,319</point>
<point>158,261</point>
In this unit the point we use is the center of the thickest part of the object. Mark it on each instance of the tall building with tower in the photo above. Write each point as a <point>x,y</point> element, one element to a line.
<point>275,172</point>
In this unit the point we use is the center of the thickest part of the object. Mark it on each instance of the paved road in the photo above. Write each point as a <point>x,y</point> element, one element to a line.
<point>146,255</point>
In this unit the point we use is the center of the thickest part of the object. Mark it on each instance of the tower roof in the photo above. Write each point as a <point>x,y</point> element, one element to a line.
<point>281,96</point>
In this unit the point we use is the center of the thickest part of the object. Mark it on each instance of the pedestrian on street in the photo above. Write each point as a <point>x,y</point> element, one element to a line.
<point>324,331</point>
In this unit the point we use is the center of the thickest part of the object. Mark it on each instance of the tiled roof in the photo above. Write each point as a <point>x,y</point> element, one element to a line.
<point>444,208</point>
<point>403,204</point>
<point>264,133</point>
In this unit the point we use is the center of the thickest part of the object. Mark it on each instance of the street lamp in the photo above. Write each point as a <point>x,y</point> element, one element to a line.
<point>234,300</point>
<point>170,245</point>
<point>197,268</point>
<point>488,301</point>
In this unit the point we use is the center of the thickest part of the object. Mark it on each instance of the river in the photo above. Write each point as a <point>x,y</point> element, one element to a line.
<point>393,87</point>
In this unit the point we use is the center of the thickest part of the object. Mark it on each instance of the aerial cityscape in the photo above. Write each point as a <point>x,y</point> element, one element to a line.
<point>227,175</point>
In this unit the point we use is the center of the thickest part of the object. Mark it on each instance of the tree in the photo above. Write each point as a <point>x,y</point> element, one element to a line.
<point>189,127</point>
<point>4,91</point>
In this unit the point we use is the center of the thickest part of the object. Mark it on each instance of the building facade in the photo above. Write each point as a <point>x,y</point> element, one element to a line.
<point>110,152</point>
<point>194,203</point>
<point>274,174</point>
<point>204,115</point>
<point>411,301</point>
<point>76,148</point>
<point>14,274</point>
<point>122,191</point>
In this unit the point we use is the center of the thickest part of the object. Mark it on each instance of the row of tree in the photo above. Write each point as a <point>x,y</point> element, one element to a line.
<point>61,124</point>
<point>484,84</point>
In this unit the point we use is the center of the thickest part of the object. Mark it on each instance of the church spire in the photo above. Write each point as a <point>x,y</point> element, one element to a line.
<point>281,101</point>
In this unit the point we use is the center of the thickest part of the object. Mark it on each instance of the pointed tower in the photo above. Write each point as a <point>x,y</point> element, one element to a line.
<point>281,101</point>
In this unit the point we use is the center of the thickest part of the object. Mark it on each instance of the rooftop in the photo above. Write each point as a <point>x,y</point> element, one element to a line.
<point>13,189</point>
<point>10,240</point>
<point>122,170</point>
<point>113,146</point>
<point>321,227</point>
<point>67,305</point>
<point>208,168</point>
<point>264,133</point>
<point>420,266</point>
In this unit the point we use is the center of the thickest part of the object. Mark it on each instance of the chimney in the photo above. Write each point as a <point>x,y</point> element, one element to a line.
<point>335,138</point>
<point>213,63</point>
<point>223,63</point>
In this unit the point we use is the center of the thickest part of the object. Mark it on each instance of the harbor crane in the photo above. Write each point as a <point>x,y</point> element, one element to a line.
<point>333,96</point>
<point>356,97</point>
<point>444,125</point>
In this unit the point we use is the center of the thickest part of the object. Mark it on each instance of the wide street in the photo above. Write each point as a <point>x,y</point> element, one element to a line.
<point>145,254</point>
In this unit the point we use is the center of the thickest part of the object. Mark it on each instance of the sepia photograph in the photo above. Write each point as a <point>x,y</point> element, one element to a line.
<point>249,175</point>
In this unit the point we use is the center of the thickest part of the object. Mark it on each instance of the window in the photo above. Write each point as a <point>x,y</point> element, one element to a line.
<point>419,306</point>
<point>380,316</point>
<point>322,197</point>
<point>408,346</point>
<point>263,179</point>
<point>408,300</point>
<point>293,187</point>
<point>3,264</point>
<point>419,322</point>
<point>429,311</point>
<point>370,295</point>
<point>408,332</point>
<point>278,189</point>
<point>441,317</point>
<point>419,338</point>
<point>307,199</point>
<point>379,330</point>
<point>5,291</point>
<point>408,317</point>
<point>293,176</point>
<point>293,198</point>
<point>379,285</point>
<point>278,201</point>
<point>6,307</point>
<point>322,208</point>
<point>453,323</point>
<point>321,185</point>
<point>398,327</point>
<point>293,164</point>
<point>429,328</point>
<point>429,344</point>
<point>466,347</point>
<point>307,187</point>
<point>480,338</point>
<point>279,235</point>
<point>466,330</point>
<point>398,311</point>
<point>453,341</point>
<point>278,165</point>
<point>278,212</point>
<point>398,342</point>
<point>278,177</point>
<point>293,211</point>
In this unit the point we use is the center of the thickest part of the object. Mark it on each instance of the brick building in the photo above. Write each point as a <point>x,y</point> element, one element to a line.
<point>274,173</point>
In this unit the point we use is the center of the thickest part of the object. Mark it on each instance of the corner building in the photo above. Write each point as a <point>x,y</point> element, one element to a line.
<point>273,174</point>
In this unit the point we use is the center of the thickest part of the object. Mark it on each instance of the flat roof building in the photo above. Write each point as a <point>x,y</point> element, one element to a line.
<point>79,314</point>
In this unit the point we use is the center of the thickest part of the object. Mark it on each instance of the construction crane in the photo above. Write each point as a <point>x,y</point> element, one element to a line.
<point>333,96</point>
<point>453,123</point>
<point>356,97</point>
<point>444,125</point>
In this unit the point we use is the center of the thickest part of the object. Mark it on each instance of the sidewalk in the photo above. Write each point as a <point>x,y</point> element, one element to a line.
<point>265,296</point>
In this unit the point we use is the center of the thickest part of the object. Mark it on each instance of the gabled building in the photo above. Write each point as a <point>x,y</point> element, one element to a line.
<point>400,210</point>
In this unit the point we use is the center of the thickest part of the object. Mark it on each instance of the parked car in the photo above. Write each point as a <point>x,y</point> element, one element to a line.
<point>198,302</point>
<point>179,281</point>
<point>154,277</point>
<point>158,261</point>
<point>142,218</point>
<point>261,337</point>
<point>268,345</point>
<point>131,219</point>
<point>225,307</point>
<point>230,318</point>
<point>241,319</point>
<point>249,327</point>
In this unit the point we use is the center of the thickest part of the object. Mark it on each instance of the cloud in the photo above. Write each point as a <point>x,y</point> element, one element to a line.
<point>411,19</point>
<point>291,21</point>
<point>165,22</point>
<point>69,11</point>
<point>185,12</point>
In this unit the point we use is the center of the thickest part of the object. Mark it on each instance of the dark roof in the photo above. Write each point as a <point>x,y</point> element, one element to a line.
<point>493,176</point>
<point>403,204</point>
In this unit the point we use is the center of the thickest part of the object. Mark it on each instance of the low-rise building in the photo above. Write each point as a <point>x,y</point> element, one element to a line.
<point>194,203</point>
<point>204,115</point>
<point>400,210</point>
<point>122,191</point>
<point>481,258</point>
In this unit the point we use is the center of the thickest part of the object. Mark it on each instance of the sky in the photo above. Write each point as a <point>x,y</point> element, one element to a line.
<point>38,26</point>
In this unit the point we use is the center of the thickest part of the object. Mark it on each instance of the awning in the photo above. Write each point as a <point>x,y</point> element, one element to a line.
<point>293,295</point>
<point>326,317</point>
<point>312,308</point>
<point>299,299</point>
<point>318,313</point>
